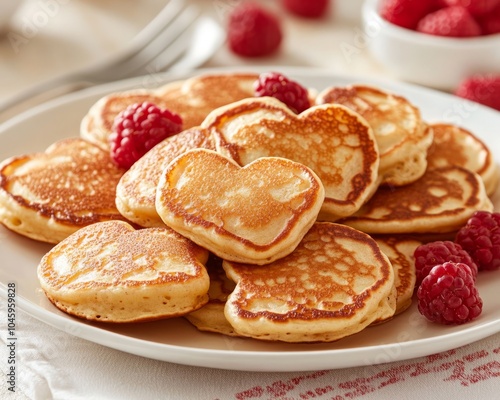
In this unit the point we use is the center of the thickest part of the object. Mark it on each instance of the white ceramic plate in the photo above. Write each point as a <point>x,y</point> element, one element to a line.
<point>407,336</point>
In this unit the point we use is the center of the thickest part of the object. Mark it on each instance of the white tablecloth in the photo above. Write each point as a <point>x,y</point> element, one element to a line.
<point>54,364</point>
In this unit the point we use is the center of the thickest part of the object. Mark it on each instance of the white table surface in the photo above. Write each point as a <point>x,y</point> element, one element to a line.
<point>57,36</point>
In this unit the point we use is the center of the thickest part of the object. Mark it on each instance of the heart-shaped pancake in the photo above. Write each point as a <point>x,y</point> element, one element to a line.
<point>47,196</point>
<point>111,272</point>
<point>335,283</point>
<point>335,142</point>
<point>253,214</point>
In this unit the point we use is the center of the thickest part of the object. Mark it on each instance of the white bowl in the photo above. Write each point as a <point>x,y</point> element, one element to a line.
<point>433,61</point>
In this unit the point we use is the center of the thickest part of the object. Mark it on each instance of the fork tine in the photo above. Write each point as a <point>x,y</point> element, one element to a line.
<point>207,36</point>
<point>171,38</point>
<point>187,41</point>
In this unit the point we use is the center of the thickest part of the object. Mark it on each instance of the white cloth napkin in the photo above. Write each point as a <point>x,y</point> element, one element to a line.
<point>55,365</point>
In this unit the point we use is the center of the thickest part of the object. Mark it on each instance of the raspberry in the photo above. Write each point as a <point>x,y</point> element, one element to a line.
<point>450,22</point>
<point>279,86</point>
<point>475,7</point>
<point>480,237</point>
<point>406,13</point>
<point>139,128</point>
<point>431,254</point>
<point>490,23</point>
<point>308,9</point>
<point>253,31</point>
<point>448,295</point>
<point>483,89</point>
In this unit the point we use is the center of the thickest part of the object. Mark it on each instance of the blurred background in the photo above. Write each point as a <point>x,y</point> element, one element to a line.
<point>41,40</point>
<point>46,38</point>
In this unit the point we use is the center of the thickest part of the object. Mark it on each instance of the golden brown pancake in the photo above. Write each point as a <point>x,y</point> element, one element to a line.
<point>201,94</point>
<point>253,214</point>
<point>335,283</point>
<point>454,145</point>
<point>111,272</point>
<point>192,99</point>
<point>439,202</point>
<point>47,196</point>
<point>400,251</point>
<point>402,137</point>
<point>97,124</point>
<point>336,143</point>
<point>210,317</point>
<point>136,190</point>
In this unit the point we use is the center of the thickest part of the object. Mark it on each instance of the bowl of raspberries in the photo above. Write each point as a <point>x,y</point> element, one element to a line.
<point>436,43</point>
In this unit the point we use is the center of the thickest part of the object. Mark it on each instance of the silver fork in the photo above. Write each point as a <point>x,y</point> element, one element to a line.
<point>178,36</point>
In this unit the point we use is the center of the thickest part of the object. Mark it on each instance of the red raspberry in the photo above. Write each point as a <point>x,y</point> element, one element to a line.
<point>139,128</point>
<point>406,13</point>
<point>448,295</point>
<point>483,89</point>
<point>308,9</point>
<point>480,237</point>
<point>450,22</point>
<point>289,92</point>
<point>253,31</point>
<point>429,255</point>
<point>475,7</point>
<point>490,23</point>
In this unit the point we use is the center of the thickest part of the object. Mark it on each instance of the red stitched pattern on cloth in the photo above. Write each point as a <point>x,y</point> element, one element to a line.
<point>451,366</point>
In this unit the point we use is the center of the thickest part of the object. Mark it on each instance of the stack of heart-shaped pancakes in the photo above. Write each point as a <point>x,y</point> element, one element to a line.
<point>287,207</point>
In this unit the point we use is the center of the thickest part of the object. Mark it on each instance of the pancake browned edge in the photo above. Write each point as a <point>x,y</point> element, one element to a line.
<point>336,283</point>
<point>400,252</point>
<point>335,142</point>
<point>97,124</point>
<point>454,145</point>
<point>402,137</point>
<point>47,196</point>
<point>110,272</point>
<point>210,317</point>
<point>439,202</point>
<point>253,214</point>
<point>136,190</point>
<point>192,99</point>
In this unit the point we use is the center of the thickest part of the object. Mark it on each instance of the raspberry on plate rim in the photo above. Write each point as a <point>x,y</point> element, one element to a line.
<point>448,295</point>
